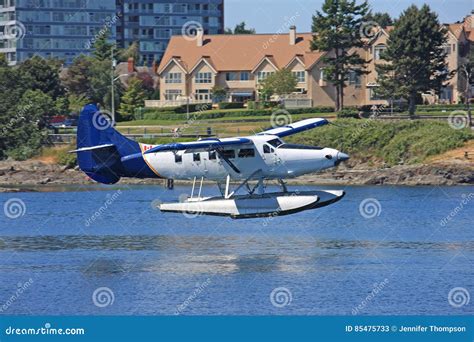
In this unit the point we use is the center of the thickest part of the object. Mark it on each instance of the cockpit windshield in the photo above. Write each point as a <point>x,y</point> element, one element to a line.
<point>275,142</point>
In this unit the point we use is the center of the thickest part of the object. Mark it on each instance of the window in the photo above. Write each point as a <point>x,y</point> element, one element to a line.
<point>197,157</point>
<point>267,149</point>
<point>354,78</point>
<point>447,49</point>
<point>322,77</point>
<point>203,95</point>
<point>203,77</point>
<point>247,153</point>
<point>275,142</point>
<point>228,154</point>
<point>173,77</point>
<point>244,76</point>
<point>178,158</point>
<point>172,94</point>
<point>300,76</point>
<point>378,51</point>
<point>262,75</point>
<point>231,76</point>
<point>212,155</point>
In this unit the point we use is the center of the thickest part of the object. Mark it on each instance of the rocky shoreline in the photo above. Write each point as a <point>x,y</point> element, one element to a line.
<point>19,176</point>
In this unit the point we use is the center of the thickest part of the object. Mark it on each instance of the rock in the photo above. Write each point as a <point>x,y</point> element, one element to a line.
<point>45,181</point>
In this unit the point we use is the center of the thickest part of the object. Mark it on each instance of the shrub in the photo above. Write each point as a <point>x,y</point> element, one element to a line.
<point>231,105</point>
<point>67,159</point>
<point>348,113</point>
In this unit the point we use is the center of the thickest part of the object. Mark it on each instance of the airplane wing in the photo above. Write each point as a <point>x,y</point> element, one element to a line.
<point>296,127</point>
<point>201,145</point>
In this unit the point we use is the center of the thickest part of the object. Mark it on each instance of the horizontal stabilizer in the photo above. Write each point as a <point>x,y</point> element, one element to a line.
<point>92,148</point>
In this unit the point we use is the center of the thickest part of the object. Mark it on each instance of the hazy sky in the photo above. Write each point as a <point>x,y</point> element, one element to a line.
<point>276,15</point>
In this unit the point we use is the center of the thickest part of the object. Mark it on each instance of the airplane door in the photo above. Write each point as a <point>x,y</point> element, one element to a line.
<point>269,155</point>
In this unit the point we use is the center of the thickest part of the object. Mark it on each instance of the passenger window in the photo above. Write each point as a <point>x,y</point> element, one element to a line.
<point>247,153</point>
<point>228,154</point>
<point>212,155</point>
<point>197,157</point>
<point>267,149</point>
<point>178,158</point>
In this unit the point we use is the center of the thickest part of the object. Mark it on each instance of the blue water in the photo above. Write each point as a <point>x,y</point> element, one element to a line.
<point>329,261</point>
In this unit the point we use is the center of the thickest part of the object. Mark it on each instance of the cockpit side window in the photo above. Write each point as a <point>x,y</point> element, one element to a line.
<point>267,149</point>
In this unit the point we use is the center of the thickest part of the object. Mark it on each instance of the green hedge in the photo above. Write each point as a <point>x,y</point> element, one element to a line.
<point>230,105</point>
<point>216,114</point>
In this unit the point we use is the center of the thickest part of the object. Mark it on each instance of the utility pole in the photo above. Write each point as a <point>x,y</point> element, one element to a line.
<point>467,95</point>
<point>112,74</point>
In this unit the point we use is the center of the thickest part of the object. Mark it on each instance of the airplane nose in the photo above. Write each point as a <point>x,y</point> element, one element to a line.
<point>342,157</point>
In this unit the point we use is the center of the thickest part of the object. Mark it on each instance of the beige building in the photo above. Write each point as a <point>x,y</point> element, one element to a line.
<point>190,68</point>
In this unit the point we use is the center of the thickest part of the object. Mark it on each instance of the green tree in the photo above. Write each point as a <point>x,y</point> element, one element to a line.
<point>415,56</point>
<point>43,74</point>
<point>26,133</point>
<point>383,19</point>
<point>280,83</point>
<point>102,49</point>
<point>132,99</point>
<point>218,94</point>
<point>133,51</point>
<point>240,29</point>
<point>338,30</point>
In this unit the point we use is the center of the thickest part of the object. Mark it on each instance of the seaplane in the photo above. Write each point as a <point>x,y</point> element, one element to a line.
<point>106,156</point>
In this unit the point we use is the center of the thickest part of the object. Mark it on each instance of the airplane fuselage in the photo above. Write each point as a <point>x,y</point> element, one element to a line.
<point>270,155</point>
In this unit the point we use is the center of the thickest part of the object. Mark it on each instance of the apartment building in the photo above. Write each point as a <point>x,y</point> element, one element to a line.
<point>67,28</point>
<point>53,28</point>
<point>152,23</point>
<point>190,69</point>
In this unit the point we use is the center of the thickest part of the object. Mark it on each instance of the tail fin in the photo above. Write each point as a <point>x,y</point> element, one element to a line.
<point>100,148</point>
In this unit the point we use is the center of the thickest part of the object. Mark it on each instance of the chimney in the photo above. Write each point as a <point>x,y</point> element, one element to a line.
<point>199,37</point>
<point>130,65</point>
<point>292,35</point>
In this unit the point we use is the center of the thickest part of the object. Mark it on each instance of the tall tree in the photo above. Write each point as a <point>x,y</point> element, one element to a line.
<point>43,75</point>
<point>240,29</point>
<point>132,99</point>
<point>338,30</point>
<point>383,19</point>
<point>417,60</point>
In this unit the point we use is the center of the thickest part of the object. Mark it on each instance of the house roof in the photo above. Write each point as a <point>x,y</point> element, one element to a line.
<point>240,52</point>
<point>456,29</point>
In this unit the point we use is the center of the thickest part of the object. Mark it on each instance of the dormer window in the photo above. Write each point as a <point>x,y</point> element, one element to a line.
<point>203,77</point>
<point>378,51</point>
<point>173,77</point>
